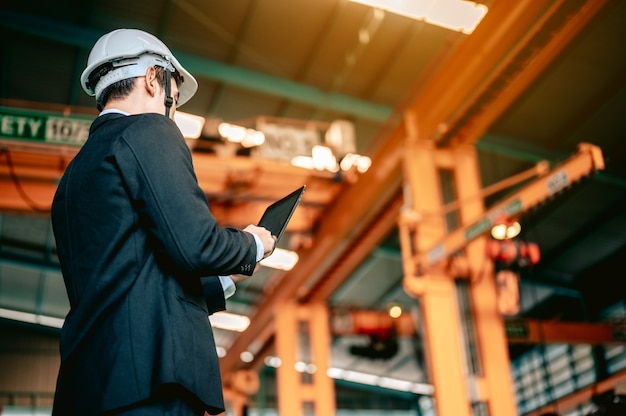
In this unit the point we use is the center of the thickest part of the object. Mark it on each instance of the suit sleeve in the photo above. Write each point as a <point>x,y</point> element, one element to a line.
<point>156,166</point>
<point>213,294</point>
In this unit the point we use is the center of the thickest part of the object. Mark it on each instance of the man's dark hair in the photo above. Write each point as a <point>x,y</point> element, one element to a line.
<point>122,88</point>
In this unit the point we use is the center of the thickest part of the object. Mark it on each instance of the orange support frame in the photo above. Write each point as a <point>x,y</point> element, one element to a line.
<point>303,335</point>
<point>435,291</point>
<point>494,382</point>
<point>429,269</point>
<point>420,228</point>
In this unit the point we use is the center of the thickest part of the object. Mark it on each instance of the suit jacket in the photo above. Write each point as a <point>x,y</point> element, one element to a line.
<point>136,242</point>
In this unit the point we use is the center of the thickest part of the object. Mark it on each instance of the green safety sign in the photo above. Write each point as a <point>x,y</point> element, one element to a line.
<point>43,127</point>
<point>516,329</point>
<point>485,224</point>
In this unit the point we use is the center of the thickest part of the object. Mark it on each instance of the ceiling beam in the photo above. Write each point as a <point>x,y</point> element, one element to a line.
<point>500,60</point>
<point>515,149</point>
<point>84,38</point>
<point>282,87</point>
<point>239,188</point>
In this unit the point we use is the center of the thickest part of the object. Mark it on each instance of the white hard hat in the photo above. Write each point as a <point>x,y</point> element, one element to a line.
<point>131,52</point>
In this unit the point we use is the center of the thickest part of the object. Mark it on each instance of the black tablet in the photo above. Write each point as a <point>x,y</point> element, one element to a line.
<point>277,216</point>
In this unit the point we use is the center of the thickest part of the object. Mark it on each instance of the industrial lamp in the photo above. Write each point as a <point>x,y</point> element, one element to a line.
<point>505,249</point>
<point>506,230</point>
<point>510,255</point>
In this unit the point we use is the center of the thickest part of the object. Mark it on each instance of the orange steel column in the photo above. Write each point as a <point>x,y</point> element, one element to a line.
<point>235,402</point>
<point>303,339</point>
<point>494,385</point>
<point>435,290</point>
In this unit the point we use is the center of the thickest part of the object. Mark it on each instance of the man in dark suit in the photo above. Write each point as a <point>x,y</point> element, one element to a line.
<point>143,260</point>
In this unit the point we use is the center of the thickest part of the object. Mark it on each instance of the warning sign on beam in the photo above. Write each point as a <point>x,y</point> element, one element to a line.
<point>283,142</point>
<point>43,127</point>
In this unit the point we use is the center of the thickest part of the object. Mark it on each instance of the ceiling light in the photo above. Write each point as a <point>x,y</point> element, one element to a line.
<point>385,382</point>
<point>423,389</point>
<point>305,162</point>
<point>246,357</point>
<point>239,134</point>
<point>362,163</point>
<point>272,361</point>
<point>281,259</point>
<point>324,159</point>
<point>189,124</point>
<point>359,377</point>
<point>394,384</point>
<point>459,15</point>
<point>395,311</point>
<point>229,321</point>
<point>506,230</point>
<point>232,132</point>
<point>253,138</point>
<point>300,366</point>
<point>31,318</point>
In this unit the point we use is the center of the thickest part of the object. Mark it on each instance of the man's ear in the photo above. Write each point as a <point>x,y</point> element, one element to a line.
<point>151,83</point>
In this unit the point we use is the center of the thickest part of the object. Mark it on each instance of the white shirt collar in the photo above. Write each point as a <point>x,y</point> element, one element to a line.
<point>113,110</point>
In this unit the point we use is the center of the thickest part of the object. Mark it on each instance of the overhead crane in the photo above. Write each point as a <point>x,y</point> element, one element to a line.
<point>452,108</point>
<point>468,357</point>
<point>588,160</point>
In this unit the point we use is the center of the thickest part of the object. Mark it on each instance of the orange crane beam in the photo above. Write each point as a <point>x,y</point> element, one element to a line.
<point>518,331</point>
<point>587,161</point>
<point>238,188</point>
<point>530,331</point>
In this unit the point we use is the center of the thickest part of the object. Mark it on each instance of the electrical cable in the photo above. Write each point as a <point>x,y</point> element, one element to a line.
<point>18,185</point>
